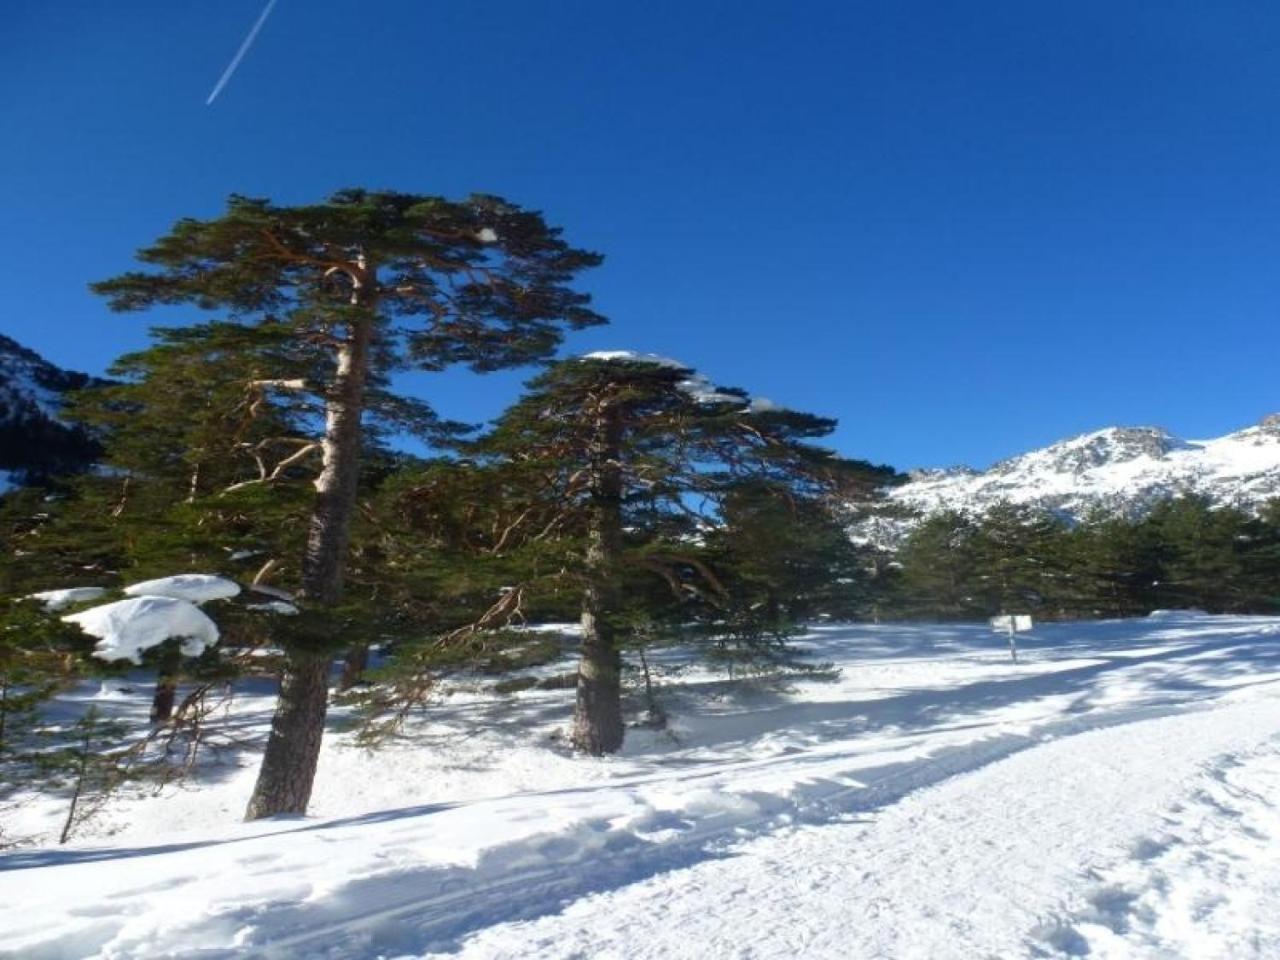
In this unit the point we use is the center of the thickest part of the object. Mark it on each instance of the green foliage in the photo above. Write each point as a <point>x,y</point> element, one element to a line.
<point>1206,554</point>
<point>1121,565</point>
<point>785,557</point>
<point>89,762</point>
<point>1186,553</point>
<point>938,570</point>
<point>725,514</point>
<point>326,302</point>
<point>39,656</point>
<point>1019,555</point>
<point>479,281</point>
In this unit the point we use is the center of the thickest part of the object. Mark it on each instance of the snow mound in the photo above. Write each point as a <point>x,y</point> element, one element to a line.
<point>196,587</point>
<point>61,599</point>
<point>128,628</point>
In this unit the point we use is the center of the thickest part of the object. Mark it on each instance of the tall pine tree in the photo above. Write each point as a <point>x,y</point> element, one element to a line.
<point>370,282</point>
<point>643,452</point>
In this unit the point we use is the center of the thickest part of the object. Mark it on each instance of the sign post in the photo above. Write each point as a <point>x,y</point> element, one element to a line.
<point>1012,624</point>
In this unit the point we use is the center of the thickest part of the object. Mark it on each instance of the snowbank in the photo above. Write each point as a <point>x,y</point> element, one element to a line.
<point>128,628</point>
<point>61,599</point>
<point>196,587</point>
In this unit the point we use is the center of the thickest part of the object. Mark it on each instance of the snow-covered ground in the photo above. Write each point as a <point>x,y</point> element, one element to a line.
<point>1115,794</point>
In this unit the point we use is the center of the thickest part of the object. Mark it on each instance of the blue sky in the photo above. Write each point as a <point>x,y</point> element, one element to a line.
<point>964,229</point>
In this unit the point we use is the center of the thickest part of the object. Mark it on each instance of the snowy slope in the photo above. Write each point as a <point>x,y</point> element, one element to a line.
<point>33,441</point>
<point>1124,470</point>
<point>30,384</point>
<point>1114,793</point>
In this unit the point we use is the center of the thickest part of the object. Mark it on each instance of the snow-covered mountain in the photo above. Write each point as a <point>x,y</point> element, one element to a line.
<point>34,442</point>
<point>1125,470</point>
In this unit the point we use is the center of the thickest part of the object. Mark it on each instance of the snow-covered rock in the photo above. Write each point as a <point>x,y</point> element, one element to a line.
<point>61,599</point>
<point>127,629</point>
<point>195,587</point>
<point>1122,470</point>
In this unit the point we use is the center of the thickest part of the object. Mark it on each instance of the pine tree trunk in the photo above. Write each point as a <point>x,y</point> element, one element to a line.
<point>293,748</point>
<point>354,666</point>
<point>166,691</point>
<point>774,606</point>
<point>597,720</point>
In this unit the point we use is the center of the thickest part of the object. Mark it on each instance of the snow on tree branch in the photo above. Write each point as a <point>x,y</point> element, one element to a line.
<point>126,629</point>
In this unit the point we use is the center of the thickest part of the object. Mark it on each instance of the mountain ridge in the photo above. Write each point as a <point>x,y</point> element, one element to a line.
<point>35,443</point>
<point>1120,470</point>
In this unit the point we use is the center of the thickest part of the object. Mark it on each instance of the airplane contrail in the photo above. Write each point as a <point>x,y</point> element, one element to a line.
<point>244,48</point>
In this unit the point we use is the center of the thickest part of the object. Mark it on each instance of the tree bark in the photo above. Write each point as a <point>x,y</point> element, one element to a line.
<point>293,747</point>
<point>597,719</point>
<point>354,666</point>
<point>289,764</point>
<point>166,691</point>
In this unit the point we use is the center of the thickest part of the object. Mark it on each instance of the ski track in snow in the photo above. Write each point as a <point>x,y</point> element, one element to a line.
<point>1112,797</point>
<point>976,867</point>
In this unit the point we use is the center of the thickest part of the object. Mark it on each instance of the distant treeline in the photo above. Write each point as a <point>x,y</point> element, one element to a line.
<point>1186,553</point>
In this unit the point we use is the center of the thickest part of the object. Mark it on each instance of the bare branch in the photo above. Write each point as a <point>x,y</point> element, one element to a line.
<point>309,447</point>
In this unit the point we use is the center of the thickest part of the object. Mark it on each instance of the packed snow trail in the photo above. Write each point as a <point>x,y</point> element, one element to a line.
<point>1063,849</point>
<point>931,799</point>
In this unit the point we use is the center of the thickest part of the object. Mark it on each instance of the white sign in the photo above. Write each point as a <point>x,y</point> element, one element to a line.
<point>1011,623</point>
